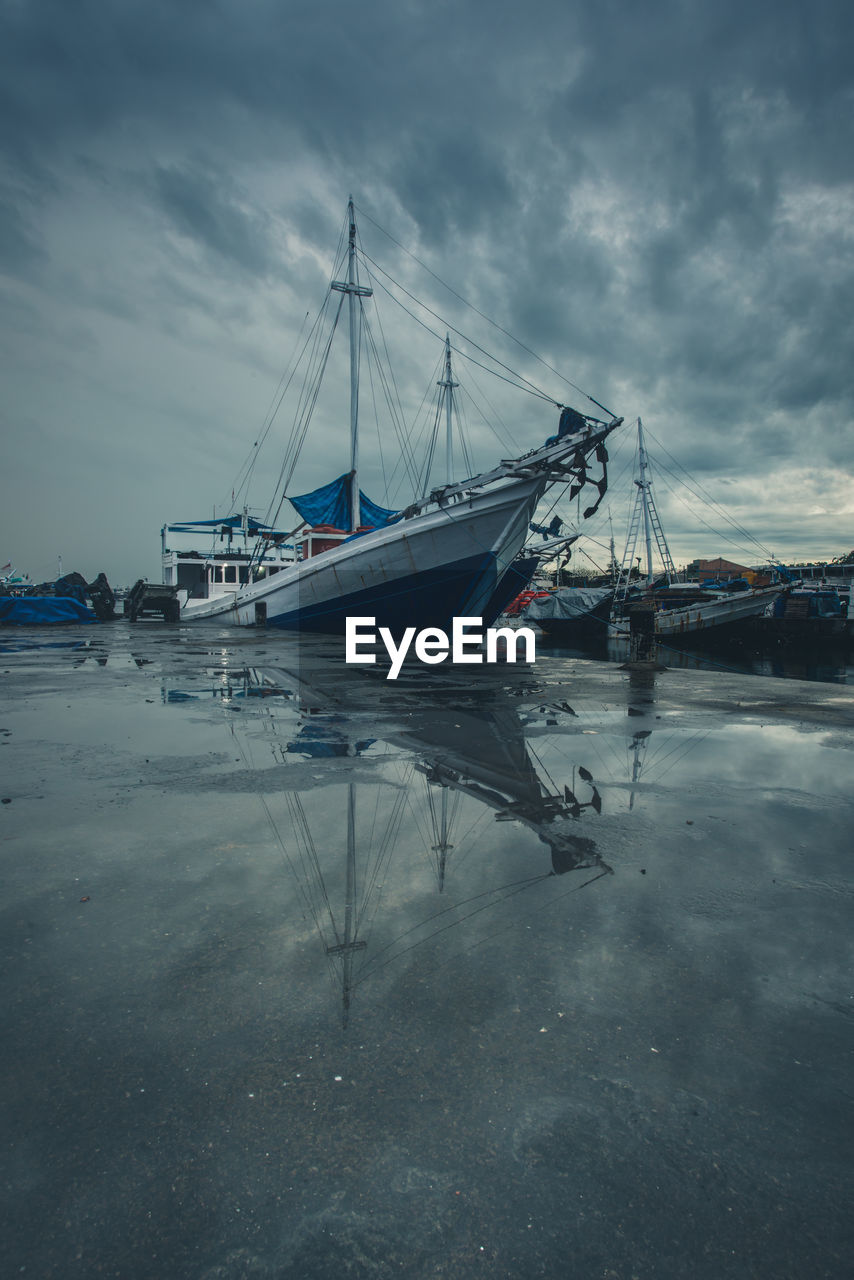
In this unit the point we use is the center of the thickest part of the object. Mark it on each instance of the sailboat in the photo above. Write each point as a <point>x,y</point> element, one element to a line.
<point>676,610</point>
<point>450,553</point>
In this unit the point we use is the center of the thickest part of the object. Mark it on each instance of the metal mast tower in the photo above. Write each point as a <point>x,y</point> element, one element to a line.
<point>644,512</point>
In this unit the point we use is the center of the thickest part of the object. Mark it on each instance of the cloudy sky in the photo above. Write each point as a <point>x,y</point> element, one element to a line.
<point>658,199</point>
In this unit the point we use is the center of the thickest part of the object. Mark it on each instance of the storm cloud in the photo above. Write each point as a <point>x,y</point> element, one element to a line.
<point>657,199</point>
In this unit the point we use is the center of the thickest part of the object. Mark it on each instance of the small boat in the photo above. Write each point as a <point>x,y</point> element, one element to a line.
<point>711,610</point>
<point>692,613</point>
<point>446,554</point>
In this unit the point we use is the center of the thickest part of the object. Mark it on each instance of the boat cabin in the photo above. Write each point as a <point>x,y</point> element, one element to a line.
<point>811,602</point>
<point>226,554</point>
<point>313,540</point>
<point>239,550</point>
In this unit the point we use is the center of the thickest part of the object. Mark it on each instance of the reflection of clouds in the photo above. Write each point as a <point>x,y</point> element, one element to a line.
<point>765,755</point>
<point>713,809</point>
<point>514,1048</point>
<point>709,956</point>
<point>448,796</point>
<point>510,1056</point>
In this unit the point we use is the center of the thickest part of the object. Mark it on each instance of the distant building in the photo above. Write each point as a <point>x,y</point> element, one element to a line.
<point>712,570</point>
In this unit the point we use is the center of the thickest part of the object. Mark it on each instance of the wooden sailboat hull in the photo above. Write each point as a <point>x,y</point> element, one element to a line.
<point>446,562</point>
<point>717,617</point>
<point>709,616</point>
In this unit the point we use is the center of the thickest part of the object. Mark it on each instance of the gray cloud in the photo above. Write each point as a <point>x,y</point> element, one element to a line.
<point>656,198</point>
<point>19,250</point>
<point>199,207</point>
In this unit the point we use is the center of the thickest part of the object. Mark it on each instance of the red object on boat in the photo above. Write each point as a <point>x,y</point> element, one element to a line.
<point>524,598</point>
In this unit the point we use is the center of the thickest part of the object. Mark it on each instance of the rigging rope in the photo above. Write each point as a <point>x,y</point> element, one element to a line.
<point>241,481</point>
<point>517,886</point>
<point>508,442</point>
<point>522,383</point>
<point>393,403</point>
<point>472,307</point>
<point>308,400</point>
<point>708,498</point>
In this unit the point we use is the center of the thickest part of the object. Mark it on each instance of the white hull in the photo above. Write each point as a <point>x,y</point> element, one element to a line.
<point>419,572</point>
<point>715,613</point>
<point>706,615</point>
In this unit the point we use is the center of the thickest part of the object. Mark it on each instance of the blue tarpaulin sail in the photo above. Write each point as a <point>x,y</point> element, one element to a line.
<point>331,505</point>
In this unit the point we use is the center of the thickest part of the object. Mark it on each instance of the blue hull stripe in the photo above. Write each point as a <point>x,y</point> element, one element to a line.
<point>427,599</point>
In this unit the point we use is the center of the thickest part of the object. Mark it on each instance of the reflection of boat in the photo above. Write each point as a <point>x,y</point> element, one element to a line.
<point>476,787</point>
<point>464,749</point>
<point>469,738</point>
<point>446,554</point>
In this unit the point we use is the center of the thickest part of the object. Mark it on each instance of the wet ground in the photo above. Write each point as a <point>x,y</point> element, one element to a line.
<point>504,971</point>
<point>830,661</point>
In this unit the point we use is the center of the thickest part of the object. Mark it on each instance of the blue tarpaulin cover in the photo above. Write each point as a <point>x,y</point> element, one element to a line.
<point>331,505</point>
<point>232,523</point>
<point>35,611</point>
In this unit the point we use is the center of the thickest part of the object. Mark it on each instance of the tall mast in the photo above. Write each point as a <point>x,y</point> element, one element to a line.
<point>612,567</point>
<point>354,290</point>
<point>449,384</point>
<point>643,484</point>
<point>644,508</point>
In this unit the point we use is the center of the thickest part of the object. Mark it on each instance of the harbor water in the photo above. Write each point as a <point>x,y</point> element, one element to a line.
<point>513,971</point>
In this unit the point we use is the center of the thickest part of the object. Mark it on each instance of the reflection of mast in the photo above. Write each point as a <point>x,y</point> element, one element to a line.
<point>467,748</point>
<point>346,946</point>
<point>442,848</point>
<point>638,744</point>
